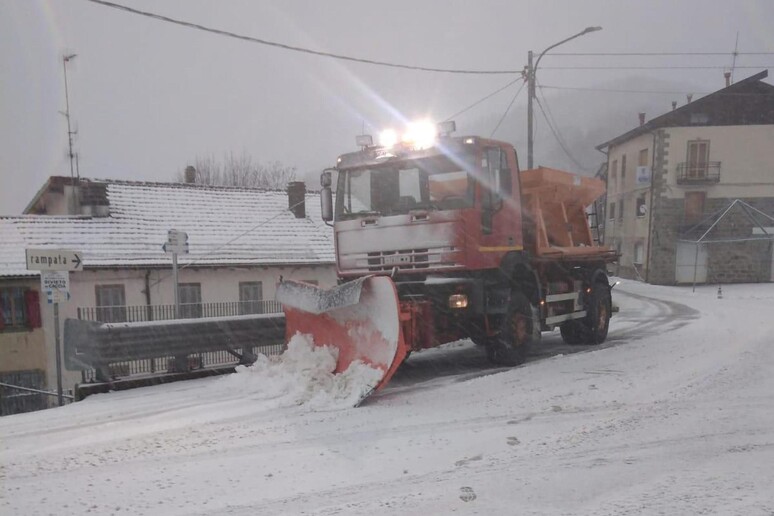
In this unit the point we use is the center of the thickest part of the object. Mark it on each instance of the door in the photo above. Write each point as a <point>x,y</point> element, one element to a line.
<point>698,159</point>
<point>500,217</point>
<point>688,260</point>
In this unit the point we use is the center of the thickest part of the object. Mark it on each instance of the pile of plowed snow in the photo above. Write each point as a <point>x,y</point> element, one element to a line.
<point>304,375</point>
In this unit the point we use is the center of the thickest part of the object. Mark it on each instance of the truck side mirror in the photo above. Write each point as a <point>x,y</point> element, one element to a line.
<point>326,204</point>
<point>326,195</point>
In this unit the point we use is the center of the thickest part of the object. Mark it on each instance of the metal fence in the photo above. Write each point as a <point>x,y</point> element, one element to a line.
<point>155,366</point>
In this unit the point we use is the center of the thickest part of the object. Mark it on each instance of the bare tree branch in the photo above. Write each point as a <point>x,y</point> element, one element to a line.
<point>240,170</point>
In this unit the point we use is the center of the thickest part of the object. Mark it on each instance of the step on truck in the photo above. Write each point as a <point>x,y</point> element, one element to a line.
<point>440,238</point>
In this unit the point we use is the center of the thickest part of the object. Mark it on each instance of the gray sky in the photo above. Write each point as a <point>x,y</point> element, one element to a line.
<point>147,97</point>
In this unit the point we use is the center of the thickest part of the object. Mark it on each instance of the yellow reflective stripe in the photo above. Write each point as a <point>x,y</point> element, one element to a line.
<point>501,248</point>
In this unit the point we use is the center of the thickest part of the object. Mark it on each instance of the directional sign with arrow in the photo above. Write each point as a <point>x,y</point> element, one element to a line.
<point>54,260</point>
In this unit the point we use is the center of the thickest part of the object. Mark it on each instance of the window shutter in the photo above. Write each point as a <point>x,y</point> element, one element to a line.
<point>32,300</point>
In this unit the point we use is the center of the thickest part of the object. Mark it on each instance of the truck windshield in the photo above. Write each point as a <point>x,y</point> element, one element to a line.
<point>397,187</point>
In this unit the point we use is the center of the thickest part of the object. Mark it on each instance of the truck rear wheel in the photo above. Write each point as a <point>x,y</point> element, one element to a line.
<point>511,345</point>
<point>597,320</point>
<point>572,332</point>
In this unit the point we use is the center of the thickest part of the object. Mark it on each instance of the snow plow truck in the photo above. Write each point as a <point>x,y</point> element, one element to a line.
<point>440,238</point>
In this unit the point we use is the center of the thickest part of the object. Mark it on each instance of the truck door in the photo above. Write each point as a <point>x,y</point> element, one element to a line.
<point>500,217</point>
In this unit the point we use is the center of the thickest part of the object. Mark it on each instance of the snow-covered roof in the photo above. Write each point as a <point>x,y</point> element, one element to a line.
<point>225,226</point>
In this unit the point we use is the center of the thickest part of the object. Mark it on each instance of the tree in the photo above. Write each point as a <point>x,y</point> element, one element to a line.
<point>240,170</point>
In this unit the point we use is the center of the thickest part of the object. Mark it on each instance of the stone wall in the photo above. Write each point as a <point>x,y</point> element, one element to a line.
<point>727,262</point>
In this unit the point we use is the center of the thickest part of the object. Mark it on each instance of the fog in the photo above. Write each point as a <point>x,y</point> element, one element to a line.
<point>147,97</point>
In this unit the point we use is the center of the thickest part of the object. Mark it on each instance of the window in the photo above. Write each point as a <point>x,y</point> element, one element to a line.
<point>111,303</point>
<point>642,159</point>
<point>251,297</point>
<point>698,159</point>
<point>190,300</point>
<point>13,313</point>
<point>639,253</point>
<point>611,211</point>
<point>614,175</point>
<point>694,206</point>
<point>620,209</point>
<point>499,176</point>
<point>623,171</point>
<point>642,207</point>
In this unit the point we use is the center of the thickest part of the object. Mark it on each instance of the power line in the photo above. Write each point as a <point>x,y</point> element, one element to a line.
<point>557,137</point>
<point>630,54</point>
<point>294,48</point>
<point>648,92</point>
<point>221,246</point>
<point>508,109</point>
<point>479,101</point>
<point>668,67</point>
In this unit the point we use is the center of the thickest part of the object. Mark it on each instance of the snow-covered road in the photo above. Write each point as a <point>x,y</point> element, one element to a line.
<point>675,415</point>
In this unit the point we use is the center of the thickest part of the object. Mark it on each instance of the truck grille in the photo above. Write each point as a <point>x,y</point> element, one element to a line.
<point>403,259</point>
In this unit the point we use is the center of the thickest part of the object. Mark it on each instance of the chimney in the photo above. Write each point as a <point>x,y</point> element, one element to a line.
<point>674,105</point>
<point>642,119</point>
<point>190,174</point>
<point>689,98</point>
<point>727,75</point>
<point>297,198</point>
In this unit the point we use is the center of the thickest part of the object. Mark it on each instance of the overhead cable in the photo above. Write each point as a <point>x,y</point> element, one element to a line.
<point>630,54</point>
<point>508,109</point>
<point>557,137</point>
<point>294,48</point>
<point>487,97</point>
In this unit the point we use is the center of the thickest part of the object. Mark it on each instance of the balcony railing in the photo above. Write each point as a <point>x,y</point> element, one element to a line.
<point>689,173</point>
<point>141,313</point>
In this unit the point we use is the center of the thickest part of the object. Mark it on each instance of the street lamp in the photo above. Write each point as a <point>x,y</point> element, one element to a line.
<point>531,70</point>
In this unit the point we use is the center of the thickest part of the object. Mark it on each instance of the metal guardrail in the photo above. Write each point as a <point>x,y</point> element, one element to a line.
<point>111,342</point>
<point>115,350</point>
<point>139,313</point>
<point>36,391</point>
<point>698,173</point>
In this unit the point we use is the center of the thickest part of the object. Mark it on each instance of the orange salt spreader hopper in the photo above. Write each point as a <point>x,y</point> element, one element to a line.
<point>554,206</point>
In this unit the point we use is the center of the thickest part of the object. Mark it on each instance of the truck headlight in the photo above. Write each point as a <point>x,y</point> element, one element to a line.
<point>458,301</point>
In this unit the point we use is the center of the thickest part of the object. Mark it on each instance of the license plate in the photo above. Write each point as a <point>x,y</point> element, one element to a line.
<point>396,259</point>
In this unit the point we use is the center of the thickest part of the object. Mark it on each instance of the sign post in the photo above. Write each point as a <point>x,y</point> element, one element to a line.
<point>54,266</point>
<point>177,242</point>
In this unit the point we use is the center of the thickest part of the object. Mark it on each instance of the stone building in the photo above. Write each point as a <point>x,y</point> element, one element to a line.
<point>690,193</point>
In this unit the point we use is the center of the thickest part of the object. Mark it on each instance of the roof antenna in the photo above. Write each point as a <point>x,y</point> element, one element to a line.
<point>736,53</point>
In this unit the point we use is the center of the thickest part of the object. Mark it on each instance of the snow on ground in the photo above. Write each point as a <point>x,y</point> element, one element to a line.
<point>674,416</point>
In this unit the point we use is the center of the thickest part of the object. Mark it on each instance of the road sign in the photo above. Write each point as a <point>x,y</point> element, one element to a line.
<point>53,260</point>
<point>56,285</point>
<point>177,242</point>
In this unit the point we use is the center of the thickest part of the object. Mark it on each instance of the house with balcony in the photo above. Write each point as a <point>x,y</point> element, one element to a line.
<point>241,243</point>
<point>690,193</point>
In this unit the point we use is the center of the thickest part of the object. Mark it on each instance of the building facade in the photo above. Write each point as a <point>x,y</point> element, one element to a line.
<point>690,194</point>
<point>242,243</point>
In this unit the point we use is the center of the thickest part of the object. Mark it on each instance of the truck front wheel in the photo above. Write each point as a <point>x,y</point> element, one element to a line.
<point>597,320</point>
<point>511,345</point>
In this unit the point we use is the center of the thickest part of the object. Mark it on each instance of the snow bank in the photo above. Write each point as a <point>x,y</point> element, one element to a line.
<point>303,375</point>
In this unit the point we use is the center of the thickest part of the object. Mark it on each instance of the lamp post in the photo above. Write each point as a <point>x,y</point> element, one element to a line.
<point>531,70</point>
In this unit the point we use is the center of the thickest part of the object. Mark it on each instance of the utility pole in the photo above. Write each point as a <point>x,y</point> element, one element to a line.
<point>66,59</point>
<point>531,71</point>
<point>530,96</point>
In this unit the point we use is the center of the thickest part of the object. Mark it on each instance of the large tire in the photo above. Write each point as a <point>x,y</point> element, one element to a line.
<point>597,321</point>
<point>573,332</point>
<point>511,345</point>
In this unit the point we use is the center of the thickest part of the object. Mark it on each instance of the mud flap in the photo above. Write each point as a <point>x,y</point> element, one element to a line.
<point>360,318</point>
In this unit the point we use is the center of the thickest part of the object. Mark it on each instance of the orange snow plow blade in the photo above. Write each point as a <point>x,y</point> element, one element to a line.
<point>360,318</point>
